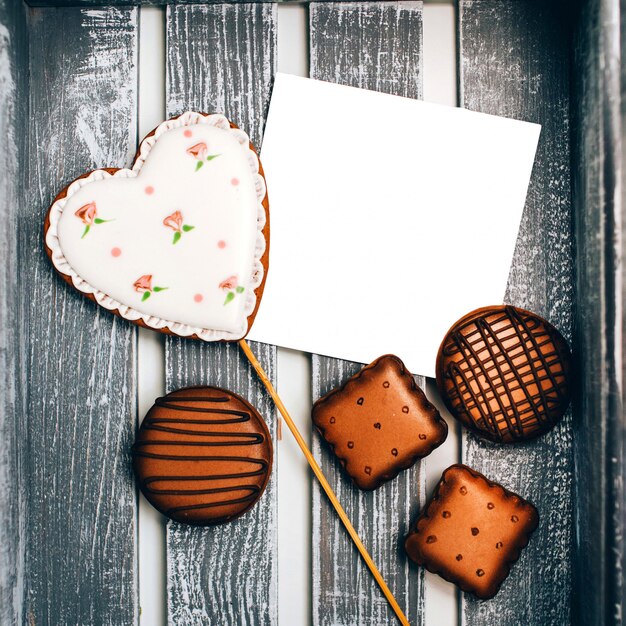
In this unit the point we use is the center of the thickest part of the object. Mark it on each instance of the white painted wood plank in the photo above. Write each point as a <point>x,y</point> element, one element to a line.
<point>221,58</point>
<point>375,46</point>
<point>151,345</point>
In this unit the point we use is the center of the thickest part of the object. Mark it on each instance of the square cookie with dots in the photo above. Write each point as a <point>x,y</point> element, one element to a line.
<point>379,422</point>
<point>472,531</point>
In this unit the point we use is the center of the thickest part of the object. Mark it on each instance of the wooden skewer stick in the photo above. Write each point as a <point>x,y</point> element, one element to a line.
<point>322,479</point>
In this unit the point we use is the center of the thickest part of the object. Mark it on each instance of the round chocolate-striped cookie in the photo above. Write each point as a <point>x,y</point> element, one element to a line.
<point>202,456</point>
<point>505,373</point>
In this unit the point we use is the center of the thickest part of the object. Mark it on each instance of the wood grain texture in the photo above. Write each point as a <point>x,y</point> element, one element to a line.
<point>222,58</point>
<point>96,3</point>
<point>375,46</point>
<point>79,411</point>
<point>514,62</point>
<point>598,209</point>
<point>13,125</point>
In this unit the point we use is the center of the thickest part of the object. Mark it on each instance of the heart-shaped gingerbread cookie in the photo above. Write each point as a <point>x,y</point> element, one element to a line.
<point>179,242</point>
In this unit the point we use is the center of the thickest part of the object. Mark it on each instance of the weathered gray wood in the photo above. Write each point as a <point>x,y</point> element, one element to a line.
<point>79,361</point>
<point>618,419</point>
<point>88,3</point>
<point>13,125</point>
<point>514,62</point>
<point>96,3</point>
<point>222,58</point>
<point>375,46</point>
<point>599,584</point>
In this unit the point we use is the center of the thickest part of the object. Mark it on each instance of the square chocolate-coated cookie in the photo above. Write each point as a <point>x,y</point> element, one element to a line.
<point>379,422</point>
<point>472,531</point>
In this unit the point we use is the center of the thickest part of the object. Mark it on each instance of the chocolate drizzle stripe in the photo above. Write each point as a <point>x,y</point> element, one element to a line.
<point>487,333</point>
<point>201,444</point>
<point>165,400</point>
<point>517,321</point>
<point>163,403</point>
<point>534,371</point>
<point>194,507</point>
<point>173,457</point>
<point>243,416</point>
<point>513,381</point>
<point>252,437</point>
<point>455,373</point>
<point>193,492</point>
<point>465,347</point>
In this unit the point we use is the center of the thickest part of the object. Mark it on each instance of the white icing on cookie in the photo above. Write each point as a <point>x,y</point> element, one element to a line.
<point>177,240</point>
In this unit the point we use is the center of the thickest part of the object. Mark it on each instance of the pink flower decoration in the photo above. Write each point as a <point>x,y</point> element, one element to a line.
<point>232,286</point>
<point>143,284</point>
<point>230,283</point>
<point>87,213</point>
<point>198,151</point>
<point>174,221</point>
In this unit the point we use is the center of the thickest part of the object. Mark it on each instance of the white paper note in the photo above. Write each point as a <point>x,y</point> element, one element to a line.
<point>390,219</point>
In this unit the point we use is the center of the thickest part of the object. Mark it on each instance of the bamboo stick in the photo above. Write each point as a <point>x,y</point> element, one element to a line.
<point>322,479</point>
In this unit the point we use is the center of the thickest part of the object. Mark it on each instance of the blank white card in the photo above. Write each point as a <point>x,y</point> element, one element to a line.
<point>390,219</point>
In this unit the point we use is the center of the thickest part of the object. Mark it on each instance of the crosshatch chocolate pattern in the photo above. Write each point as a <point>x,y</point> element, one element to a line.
<point>504,373</point>
<point>203,455</point>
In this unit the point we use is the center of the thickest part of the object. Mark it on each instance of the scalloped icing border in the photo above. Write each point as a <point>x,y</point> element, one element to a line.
<point>520,503</point>
<point>414,388</point>
<point>189,118</point>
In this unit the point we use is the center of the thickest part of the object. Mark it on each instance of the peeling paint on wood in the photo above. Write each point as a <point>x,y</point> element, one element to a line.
<point>79,360</point>
<point>96,3</point>
<point>375,46</point>
<point>514,61</point>
<point>222,58</point>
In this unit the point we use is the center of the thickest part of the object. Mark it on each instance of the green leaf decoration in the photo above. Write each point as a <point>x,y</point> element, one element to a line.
<point>212,156</point>
<point>99,220</point>
<point>177,236</point>
<point>199,165</point>
<point>230,296</point>
<point>239,289</point>
<point>187,228</point>
<point>157,289</point>
<point>145,296</point>
<point>85,231</point>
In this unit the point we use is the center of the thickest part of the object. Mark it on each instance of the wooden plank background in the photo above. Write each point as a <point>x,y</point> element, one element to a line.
<point>68,537</point>
<point>599,563</point>
<point>222,58</point>
<point>13,133</point>
<point>514,62</point>
<point>80,406</point>
<point>375,46</point>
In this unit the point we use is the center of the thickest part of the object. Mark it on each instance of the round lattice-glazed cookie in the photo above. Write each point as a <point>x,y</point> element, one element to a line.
<point>505,373</point>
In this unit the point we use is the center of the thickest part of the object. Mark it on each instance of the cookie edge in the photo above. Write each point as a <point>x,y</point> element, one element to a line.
<point>160,325</point>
